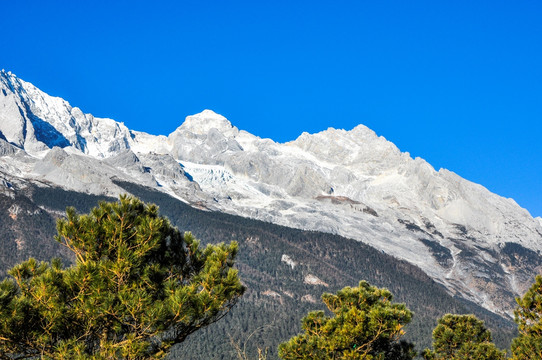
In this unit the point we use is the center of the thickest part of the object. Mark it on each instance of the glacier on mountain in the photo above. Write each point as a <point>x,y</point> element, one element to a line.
<point>353,183</point>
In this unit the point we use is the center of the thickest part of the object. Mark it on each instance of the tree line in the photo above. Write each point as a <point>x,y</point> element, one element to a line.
<point>139,286</point>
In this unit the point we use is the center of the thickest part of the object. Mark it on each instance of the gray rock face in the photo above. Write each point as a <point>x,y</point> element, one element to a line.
<point>7,149</point>
<point>77,172</point>
<point>479,245</point>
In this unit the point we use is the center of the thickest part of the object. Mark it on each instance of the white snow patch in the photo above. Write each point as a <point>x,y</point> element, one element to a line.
<point>313,280</point>
<point>308,298</point>
<point>272,294</point>
<point>288,260</point>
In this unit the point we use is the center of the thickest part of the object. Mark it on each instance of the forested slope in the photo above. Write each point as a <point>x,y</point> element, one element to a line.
<point>285,270</point>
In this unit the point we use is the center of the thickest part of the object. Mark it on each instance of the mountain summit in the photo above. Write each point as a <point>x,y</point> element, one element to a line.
<point>206,120</point>
<point>479,245</point>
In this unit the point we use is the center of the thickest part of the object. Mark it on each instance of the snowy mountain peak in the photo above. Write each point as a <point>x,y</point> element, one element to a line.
<point>36,122</point>
<point>354,183</point>
<point>206,120</point>
<point>8,82</point>
<point>5,74</point>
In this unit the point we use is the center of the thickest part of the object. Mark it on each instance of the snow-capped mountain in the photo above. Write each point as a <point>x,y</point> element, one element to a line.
<point>479,245</point>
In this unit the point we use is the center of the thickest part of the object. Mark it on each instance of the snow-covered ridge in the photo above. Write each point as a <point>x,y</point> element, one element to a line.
<point>36,121</point>
<point>354,183</point>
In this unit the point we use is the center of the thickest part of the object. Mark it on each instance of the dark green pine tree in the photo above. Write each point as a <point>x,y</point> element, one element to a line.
<point>528,316</point>
<point>138,287</point>
<point>366,324</point>
<point>459,337</point>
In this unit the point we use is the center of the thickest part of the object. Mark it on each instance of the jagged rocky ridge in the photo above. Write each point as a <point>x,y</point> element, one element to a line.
<point>479,245</point>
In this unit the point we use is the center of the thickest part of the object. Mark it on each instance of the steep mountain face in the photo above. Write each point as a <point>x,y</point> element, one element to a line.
<point>481,246</point>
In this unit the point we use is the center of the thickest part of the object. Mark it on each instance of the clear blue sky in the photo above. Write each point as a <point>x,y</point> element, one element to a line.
<point>458,83</point>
